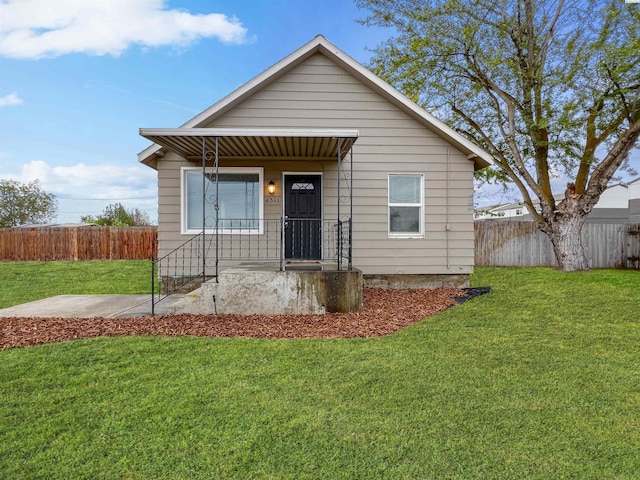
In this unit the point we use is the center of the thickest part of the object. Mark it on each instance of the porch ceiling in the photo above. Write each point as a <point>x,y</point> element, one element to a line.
<point>254,143</point>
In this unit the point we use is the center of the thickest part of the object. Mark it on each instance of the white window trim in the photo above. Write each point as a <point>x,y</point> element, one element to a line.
<point>420,234</point>
<point>184,230</point>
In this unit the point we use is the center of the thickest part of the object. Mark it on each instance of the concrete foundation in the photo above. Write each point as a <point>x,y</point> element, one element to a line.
<point>260,290</point>
<point>416,281</point>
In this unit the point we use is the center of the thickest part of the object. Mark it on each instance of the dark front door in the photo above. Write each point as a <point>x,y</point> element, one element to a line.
<point>302,210</point>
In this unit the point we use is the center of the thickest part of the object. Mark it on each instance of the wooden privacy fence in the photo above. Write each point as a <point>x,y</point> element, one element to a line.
<point>521,244</point>
<point>77,243</point>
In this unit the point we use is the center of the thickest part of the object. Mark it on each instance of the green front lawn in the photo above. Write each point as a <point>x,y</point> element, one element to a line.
<point>539,379</point>
<point>28,281</point>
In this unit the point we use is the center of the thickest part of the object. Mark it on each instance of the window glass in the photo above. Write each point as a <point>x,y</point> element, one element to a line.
<point>239,200</point>
<point>302,186</point>
<point>404,188</point>
<point>404,219</point>
<point>405,205</point>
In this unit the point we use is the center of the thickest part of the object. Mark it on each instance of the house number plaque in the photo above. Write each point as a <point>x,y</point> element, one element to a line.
<point>273,200</point>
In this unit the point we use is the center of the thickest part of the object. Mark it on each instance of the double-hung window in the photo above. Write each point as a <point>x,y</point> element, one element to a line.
<point>406,205</point>
<point>239,199</point>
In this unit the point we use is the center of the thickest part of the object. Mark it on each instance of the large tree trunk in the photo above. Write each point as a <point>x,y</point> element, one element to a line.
<point>563,225</point>
<point>565,235</point>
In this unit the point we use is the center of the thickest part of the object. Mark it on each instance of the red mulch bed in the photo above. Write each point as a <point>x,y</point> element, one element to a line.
<point>384,312</point>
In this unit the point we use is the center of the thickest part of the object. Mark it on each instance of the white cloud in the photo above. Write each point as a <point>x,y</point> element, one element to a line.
<point>11,99</point>
<point>43,28</point>
<point>87,189</point>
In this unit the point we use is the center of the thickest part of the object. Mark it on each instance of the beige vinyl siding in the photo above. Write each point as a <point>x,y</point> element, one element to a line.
<point>169,203</point>
<point>319,94</point>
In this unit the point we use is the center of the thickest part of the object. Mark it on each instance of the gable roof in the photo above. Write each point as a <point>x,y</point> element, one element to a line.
<point>320,44</point>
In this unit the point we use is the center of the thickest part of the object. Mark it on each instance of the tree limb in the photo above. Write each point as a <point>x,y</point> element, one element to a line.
<point>614,158</point>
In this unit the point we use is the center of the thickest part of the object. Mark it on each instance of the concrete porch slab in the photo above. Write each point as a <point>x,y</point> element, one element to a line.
<point>88,306</point>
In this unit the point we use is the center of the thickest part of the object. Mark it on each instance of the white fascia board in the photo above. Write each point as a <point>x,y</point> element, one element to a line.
<point>248,132</point>
<point>147,152</point>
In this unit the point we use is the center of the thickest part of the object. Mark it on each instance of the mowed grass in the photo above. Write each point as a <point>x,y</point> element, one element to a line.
<point>28,281</point>
<point>538,379</point>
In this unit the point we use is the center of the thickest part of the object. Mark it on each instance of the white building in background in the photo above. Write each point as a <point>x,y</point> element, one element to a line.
<point>618,204</point>
<point>507,211</point>
<point>634,201</point>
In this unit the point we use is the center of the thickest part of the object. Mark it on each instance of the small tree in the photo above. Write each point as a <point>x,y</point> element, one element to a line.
<point>140,218</point>
<point>115,215</point>
<point>25,203</point>
<point>548,87</point>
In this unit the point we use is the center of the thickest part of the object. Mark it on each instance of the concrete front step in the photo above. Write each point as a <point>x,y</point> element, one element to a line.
<point>247,291</point>
<point>187,303</point>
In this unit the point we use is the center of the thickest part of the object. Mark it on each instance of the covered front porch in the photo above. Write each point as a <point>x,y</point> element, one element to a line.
<point>276,197</point>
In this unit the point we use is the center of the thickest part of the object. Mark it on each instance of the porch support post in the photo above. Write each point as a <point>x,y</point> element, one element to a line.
<point>350,264</point>
<point>204,208</point>
<point>217,208</point>
<point>339,232</point>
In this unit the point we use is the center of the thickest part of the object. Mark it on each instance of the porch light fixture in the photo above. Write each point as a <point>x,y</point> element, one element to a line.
<point>271,188</point>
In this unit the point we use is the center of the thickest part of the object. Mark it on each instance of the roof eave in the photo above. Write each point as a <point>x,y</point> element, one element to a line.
<point>254,142</point>
<point>149,156</point>
<point>480,162</point>
<point>256,132</point>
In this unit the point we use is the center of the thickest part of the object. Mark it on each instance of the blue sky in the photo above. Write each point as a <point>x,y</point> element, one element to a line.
<point>78,78</point>
<point>71,105</point>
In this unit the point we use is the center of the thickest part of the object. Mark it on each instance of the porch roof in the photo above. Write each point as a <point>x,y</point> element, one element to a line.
<point>251,143</point>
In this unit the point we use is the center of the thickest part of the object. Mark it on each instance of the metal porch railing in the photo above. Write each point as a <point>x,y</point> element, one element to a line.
<point>279,241</point>
<point>284,239</point>
<point>177,269</point>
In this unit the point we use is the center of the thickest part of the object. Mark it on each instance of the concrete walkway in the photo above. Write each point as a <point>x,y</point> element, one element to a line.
<point>87,306</point>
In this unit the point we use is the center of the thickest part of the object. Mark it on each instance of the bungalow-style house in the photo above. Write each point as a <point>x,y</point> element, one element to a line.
<point>316,164</point>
